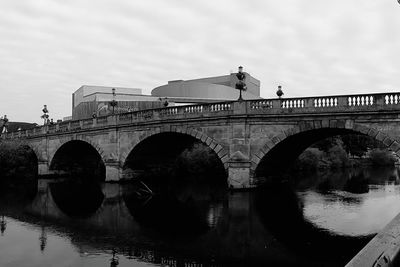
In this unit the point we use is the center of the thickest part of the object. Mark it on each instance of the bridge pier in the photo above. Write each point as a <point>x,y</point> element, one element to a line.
<point>43,185</point>
<point>113,171</point>
<point>111,192</point>
<point>43,168</point>
<point>239,175</point>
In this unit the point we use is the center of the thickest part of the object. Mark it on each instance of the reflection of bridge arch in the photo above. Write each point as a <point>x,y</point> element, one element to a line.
<point>289,144</point>
<point>111,214</point>
<point>197,135</point>
<point>77,200</point>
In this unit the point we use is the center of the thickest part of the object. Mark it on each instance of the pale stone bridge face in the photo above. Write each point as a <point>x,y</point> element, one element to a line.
<point>249,137</point>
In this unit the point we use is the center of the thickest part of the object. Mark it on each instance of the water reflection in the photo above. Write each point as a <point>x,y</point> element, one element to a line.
<point>77,198</point>
<point>353,202</point>
<point>187,211</point>
<point>312,220</point>
<point>3,225</point>
<point>115,259</point>
<point>43,238</point>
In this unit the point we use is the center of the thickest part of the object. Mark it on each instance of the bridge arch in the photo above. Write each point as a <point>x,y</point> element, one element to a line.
<point>298,138</point>
<point>175,142</point>
<point>35,150</point>
<point>198,135</point>
<point>64,141</point>
<point>80,153</point>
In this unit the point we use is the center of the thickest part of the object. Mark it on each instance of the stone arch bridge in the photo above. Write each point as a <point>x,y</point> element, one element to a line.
<point>249,137</point>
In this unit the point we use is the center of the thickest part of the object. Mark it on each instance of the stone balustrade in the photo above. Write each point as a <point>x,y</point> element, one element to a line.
<point>341,103</point>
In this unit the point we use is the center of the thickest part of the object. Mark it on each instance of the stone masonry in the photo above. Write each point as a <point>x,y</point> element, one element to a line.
<point>241,133</point>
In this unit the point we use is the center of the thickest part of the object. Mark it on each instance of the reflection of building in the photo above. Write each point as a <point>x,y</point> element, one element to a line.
<point>96,100</point>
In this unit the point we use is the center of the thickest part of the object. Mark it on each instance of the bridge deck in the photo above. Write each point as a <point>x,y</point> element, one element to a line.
<point>289,106</point>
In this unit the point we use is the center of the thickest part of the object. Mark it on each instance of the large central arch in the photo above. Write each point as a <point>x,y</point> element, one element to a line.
<point>284,148</point>
<point>155,148</point>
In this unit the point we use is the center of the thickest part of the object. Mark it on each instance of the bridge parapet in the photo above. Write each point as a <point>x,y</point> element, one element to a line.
<point>308,105</point>
<point>340,103</point>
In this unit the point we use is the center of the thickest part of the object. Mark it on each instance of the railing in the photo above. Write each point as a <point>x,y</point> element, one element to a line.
<point>261,104</point>
<point>392,99</point>
<point>63,126</point>
<point>102,120</point>
<point>361,100</point>
<point>345,102</point>
<point>322,102</point>
<point>293,103</point>
<point>342,103</point>
<point>220,107</point>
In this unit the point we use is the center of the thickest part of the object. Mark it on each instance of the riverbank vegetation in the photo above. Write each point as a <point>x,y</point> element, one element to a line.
<point>18,172</point>
<point>196,165</point>
<point>344,151</point>
<point>16,159</point>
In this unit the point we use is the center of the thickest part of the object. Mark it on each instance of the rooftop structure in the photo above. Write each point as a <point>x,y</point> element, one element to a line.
<point>219,88</point>
<point>91,100</point>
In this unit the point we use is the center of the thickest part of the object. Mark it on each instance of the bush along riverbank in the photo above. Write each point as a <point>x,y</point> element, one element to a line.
<point>18,172</point>
<point>17,161</point>
<point>344,151</point>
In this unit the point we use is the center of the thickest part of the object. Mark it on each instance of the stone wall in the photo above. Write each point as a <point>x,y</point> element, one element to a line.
<point>240,133</point>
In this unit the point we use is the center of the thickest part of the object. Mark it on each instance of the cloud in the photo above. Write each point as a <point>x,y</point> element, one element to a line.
<point>50,48</point>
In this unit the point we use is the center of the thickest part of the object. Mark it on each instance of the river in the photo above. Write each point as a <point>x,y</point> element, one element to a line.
<point>320,219</point>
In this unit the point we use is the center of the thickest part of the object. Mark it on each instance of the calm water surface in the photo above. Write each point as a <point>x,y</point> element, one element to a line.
<point>315,220</point>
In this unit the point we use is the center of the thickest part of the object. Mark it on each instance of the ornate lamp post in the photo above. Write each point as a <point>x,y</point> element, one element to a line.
<point>241,85</point>
<point>3,124</point>
<point>165,101</point>
<point>279,93</point>
<point>113,102</point>
<point>45,115</point>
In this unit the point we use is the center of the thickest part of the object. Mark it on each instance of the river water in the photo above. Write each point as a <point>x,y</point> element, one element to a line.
<point>320,219</point>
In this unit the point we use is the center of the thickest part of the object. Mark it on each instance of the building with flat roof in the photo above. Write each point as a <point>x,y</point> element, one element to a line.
<point>91,100</point>
<point>219,88</point>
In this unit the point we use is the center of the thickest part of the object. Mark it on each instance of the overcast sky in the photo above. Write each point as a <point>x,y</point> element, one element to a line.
<point>49,48</point>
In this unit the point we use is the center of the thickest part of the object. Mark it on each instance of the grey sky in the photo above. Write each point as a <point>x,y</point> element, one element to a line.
<point>49,48</point>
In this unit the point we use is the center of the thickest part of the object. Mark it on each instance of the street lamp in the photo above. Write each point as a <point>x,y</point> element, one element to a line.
<point>113,102</point>
<point>241,85</point>
<point>279,93</point>
<point>45,115</point>
<point>165,103</point>
<point>3,124</point>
